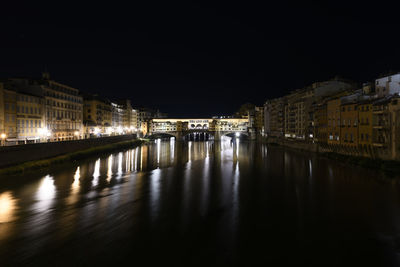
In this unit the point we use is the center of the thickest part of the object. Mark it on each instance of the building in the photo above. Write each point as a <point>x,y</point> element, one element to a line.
<point>117,118</point>
<point>97,116</point>
<point>22,116</point>
<point>349,124</point>
<point>365,127</point>
<point>8,115</point>
<point>146,114</point>
<point>388,85</point>
<point>259,120</point>
<point>64,110</point>
<point>295,115</point>
<point>333,116</point>
<point>274,117</point>
<point>321,123</point>
<point>30,119</point>
<point>130,116</point>
<point>386,127</point>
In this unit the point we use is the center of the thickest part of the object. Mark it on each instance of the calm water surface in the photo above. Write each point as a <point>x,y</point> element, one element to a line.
<point>200,204</point>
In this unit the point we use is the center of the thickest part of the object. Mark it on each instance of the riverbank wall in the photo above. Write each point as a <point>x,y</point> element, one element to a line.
<point>13,155</point>
<point>364,157</point>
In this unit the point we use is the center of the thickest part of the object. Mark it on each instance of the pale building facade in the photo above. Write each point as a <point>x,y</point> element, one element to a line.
<point>64,110</point>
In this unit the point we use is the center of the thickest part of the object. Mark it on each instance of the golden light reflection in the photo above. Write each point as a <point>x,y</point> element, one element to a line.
<point>46,193</point>
<point>119,172</point>
<point>136,158</point>
<point>158,152</point>
<point>96,173</point>
<point>77,176</point>
<point>7,207</point>
<point>75,187</point>
<point>109,168</point>
<point>172,145</point>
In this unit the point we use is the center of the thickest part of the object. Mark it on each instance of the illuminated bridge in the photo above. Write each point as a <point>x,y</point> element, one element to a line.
<point>198,129</point>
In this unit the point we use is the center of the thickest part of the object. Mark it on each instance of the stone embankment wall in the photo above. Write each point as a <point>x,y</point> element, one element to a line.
<point>11,155</point>
<point>367,152</point>
<point>295,144</point>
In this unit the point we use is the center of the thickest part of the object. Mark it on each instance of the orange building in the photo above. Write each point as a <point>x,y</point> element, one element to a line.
<point>365,125</point>
<point>333,116</point>
<point>349,124</point>
<point>321,123</point>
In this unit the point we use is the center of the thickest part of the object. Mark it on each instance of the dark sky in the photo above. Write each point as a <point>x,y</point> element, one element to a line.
<point>197,60</point>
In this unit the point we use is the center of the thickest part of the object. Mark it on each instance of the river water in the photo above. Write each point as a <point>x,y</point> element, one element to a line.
<point>209,203</point>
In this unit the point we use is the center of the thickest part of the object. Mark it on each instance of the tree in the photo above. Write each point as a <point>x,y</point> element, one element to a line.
<point>244,109</point>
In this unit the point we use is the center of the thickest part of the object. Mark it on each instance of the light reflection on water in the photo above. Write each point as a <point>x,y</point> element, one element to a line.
<point>220,193</point>
<point>7,207</point>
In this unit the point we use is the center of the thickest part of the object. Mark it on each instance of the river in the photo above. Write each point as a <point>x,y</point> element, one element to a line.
<point>208,203</point>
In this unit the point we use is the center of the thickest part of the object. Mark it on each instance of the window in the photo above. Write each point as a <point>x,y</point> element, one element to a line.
<point>366,137</point>
<point>349,123</point>
<point>362,137</point>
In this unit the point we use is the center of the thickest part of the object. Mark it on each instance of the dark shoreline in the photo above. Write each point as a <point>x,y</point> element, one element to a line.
<point>389,167</point>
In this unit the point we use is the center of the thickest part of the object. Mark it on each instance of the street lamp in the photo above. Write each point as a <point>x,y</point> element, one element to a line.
<point>76,133</point>
<point>44,132</point>
<point>3,138</point>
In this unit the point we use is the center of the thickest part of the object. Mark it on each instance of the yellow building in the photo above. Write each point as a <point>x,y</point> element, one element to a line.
<point>349,125</point>
<point>97,116</point>
<point>10,115</point>
<point>333,115</point>
<point>30,118</point>
<point>8,131</point>
<point>64,109</point>
<point>365,125</point>
<point>321,123</point>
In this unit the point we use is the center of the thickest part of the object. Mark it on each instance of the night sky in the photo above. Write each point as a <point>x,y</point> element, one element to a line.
<point>197,60</point>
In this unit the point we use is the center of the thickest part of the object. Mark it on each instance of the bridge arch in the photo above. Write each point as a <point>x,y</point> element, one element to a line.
<point>200,135</point>
<point>239,134</point>
<point>162,135</point>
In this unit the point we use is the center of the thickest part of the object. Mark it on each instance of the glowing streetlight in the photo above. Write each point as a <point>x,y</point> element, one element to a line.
<point>237,134</point>
<point>76,133</point>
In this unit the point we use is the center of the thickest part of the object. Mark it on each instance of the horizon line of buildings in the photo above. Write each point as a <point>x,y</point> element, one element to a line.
<point>41,109</point>
<point>340,116</point>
